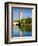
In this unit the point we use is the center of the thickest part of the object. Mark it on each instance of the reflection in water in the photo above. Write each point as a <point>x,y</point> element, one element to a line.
<point>24,17</point>
<point>18,33</point>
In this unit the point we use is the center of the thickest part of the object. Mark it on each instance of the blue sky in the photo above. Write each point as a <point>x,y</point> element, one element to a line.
<point>27,12</point>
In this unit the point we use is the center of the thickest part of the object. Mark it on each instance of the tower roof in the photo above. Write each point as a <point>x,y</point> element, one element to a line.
<point>21,13</point>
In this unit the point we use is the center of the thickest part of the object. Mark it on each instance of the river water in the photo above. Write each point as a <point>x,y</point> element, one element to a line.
<point>16,32</point>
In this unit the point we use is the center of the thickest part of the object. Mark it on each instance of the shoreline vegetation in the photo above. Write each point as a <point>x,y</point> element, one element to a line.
<point>25,24</point>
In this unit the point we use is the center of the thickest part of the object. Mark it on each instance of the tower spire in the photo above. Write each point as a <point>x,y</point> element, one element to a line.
<point>21,14</point>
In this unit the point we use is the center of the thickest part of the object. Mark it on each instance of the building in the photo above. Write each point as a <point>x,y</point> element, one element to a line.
<point>21,14</point>
<point>15,23</point>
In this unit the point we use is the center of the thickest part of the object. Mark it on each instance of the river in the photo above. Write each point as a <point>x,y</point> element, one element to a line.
<point>16,32</point>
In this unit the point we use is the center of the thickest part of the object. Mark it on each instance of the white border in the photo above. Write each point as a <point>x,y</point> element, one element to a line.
<point>33,24</point>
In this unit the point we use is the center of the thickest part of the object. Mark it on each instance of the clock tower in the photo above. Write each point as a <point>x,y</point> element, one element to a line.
<point>21,14</point>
